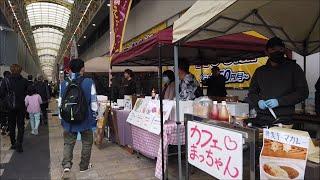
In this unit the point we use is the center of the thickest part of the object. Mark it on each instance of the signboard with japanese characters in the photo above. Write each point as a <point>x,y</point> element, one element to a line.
<point>214,150</point>
<point>238,74</point>
<point>284,155</point>
<point>146,114</point>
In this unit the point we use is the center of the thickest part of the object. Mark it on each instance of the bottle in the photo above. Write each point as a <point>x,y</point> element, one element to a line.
<point>224,114</point>
<point>215,111</point>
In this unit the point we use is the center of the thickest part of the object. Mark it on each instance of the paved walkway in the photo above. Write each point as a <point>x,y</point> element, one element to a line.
<point>43,155</point>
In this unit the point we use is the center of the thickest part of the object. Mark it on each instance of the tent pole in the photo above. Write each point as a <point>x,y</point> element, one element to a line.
<point>305,70</point>
<point>161,108</point>
<point>111,99</point>
<point>176,74</point>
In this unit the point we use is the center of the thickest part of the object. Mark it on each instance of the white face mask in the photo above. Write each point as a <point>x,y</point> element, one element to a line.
<point>165,79</point>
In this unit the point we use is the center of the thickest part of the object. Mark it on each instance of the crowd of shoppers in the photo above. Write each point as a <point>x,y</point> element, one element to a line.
<point>19,95</point>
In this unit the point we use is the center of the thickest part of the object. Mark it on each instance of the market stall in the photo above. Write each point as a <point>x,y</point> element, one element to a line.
<point>158,50</point>
<point>271,18</point>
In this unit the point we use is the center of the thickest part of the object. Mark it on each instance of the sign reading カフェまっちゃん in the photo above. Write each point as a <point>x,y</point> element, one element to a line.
<point>216,151</point>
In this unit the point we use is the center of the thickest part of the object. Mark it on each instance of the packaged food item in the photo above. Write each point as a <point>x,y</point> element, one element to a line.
<point>223,113</point>
<point>202,106</point>
<point>215,111</point>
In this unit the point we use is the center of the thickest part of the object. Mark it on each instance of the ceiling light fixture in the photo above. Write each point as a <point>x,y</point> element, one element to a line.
<point>84,37</point>
<point>94,25</point>
<point>108,4</point>
<point>78,45</point>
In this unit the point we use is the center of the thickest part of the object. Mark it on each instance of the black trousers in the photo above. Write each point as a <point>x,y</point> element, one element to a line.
<point>44,111</point>
<point>16,119</point>
<point>3,119</point>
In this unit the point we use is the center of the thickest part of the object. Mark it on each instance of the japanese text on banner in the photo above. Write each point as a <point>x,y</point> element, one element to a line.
<point>120,11</point>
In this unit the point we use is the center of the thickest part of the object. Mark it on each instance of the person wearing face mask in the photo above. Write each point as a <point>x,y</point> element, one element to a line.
<point>280,84</point>
<point>169,85</point>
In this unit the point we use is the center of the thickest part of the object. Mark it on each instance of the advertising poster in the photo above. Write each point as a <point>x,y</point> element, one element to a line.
<point>283,156</point>
<point>238,74</point>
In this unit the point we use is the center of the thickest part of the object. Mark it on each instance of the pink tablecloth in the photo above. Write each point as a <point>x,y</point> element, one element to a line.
<point>149,144</point>
<point>124,128</point>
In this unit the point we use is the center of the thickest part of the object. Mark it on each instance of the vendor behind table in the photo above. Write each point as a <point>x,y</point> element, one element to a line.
<point>129,84</point>
<point>278,85</point>
<point>169,85</point>
<point>216,83</point>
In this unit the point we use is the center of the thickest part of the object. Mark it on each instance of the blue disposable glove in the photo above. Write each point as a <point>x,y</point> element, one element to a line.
<point>272,103</point>
<point>262,105</point>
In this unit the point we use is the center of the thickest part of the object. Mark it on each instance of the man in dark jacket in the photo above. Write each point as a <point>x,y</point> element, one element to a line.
<point>85,126</point>
<point>43,91</point>
<point>18,85</point>
<point>278,85</point>
<point>216,83</point>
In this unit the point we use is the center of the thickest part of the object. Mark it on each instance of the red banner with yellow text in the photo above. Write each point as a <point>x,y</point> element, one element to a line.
<point>119,14</point>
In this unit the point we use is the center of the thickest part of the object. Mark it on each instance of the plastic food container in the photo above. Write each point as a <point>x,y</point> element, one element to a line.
<point>202,107</point>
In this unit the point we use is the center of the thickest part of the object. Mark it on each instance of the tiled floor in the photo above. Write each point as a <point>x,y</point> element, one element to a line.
<point>111,162</point>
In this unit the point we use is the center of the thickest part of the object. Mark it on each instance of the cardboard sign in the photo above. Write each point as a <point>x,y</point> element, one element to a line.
<point>146,114</point>
<point>216,151</point>
<point>283,156</point>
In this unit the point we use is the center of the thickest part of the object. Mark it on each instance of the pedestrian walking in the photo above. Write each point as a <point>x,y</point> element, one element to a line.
<point>78,109</point>
<point>43,90</point>
<point>4,111</point>
<point>33,102</point>
<point>16,89</point>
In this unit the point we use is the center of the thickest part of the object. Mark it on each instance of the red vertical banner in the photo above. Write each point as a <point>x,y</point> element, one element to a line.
<point>119,11</point>
<point>66,61</point>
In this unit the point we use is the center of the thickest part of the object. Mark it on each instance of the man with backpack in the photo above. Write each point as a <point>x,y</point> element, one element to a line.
<point>78,109</point>
<point>16,88</point>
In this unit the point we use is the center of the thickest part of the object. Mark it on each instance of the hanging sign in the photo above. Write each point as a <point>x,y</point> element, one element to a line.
<point>283,155</point>
<point>216,151</point>
<point>120,12</point>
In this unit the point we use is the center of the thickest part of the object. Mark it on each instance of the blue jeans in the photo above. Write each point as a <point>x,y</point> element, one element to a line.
<point>34,122</point>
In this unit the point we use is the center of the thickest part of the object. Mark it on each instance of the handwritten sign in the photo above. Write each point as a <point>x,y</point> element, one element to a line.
<point>146,114</point>
<point>284,155</point>
<point>214,150</point>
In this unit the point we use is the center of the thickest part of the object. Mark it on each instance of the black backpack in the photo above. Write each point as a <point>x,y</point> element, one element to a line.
<point>10,97</point>
<point>74,106</point>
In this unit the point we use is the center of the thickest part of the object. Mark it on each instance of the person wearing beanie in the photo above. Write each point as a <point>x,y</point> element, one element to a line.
<point>280,84</point>
<point>85,126</point>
